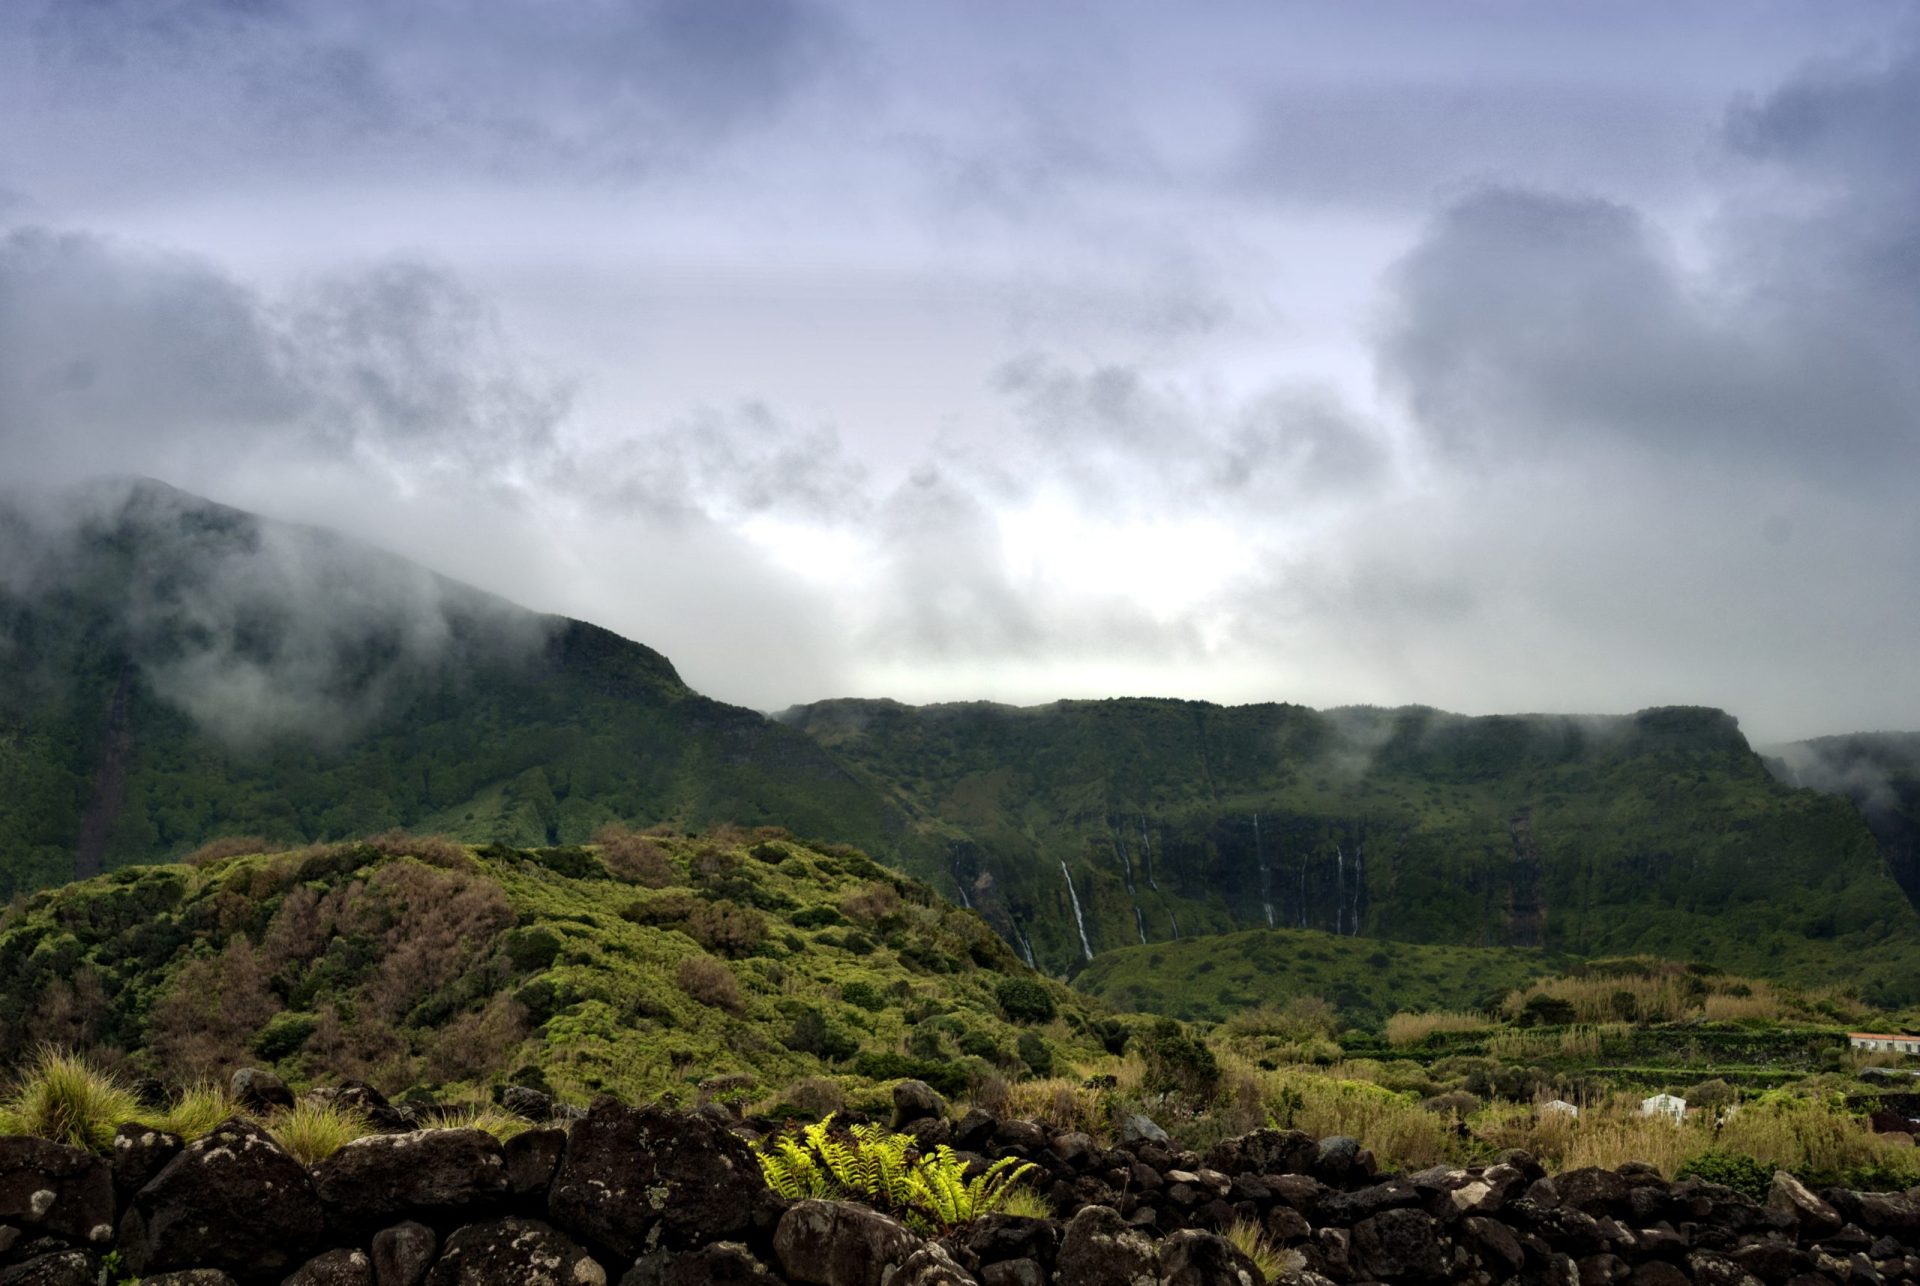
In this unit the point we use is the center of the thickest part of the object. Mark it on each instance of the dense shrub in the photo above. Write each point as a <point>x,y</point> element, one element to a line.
<point>945,1077</point>
<point>711,983</point>
<point>635,858</point>
<point>1036,1053</point>
<point>863,995</point>
<point>811,1033</point>
<point>1177,1063</point>
<point>1734,1170</point>
<point>284,1034</point>
<point>727,928</point>
<point>1023,1000</point>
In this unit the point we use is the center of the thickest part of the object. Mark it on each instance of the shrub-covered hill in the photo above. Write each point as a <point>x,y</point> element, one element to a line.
<point>1880,773</point>
<point>173,670</point>
<point>641,967</point>
<point>1086,826</point>
<point>1365,980</point>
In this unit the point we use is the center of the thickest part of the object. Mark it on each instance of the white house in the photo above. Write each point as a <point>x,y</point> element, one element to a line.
<point>1559,1107</point>
<point>1879,1042</point>
<point>1668,1105</point>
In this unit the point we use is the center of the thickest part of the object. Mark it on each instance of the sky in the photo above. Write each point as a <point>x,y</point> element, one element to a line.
<point>1496,356</point>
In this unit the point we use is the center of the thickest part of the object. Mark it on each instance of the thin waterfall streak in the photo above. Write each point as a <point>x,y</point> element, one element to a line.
<point>1080,921</point>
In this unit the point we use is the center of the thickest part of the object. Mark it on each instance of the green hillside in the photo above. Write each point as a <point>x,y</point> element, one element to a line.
<point>1880,773</point>
<point>644,967</point>
<point>179,670</point>
<point>1365,980</point>
<point>1660,832</point>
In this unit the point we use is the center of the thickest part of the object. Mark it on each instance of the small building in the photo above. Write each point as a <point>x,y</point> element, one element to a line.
<point>1668,1105</point>
<point>1559,1107</point>
<point>1882,1043</point>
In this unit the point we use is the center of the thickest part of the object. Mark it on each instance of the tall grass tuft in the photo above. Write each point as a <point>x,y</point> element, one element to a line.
<point>64,1098</point>
<point>501,1124</point>
<point>1410,1029</point>
<point>200,1107</point>
<point>311,1131</point>
<point>1273,1262</point>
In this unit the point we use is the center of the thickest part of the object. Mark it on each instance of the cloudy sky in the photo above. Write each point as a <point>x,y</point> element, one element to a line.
<point>1490,355</point>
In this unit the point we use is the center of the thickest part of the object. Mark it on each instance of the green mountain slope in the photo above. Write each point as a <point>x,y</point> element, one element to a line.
<point>1880,773</point>
<point>180,670</point>
<point>1660,832</point>
<point>1366,980</point>
<point>641,970</point>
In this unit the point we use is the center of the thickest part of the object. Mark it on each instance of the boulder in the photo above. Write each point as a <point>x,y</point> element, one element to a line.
<point>532,1158</point>
<point>1709,1269</point>
<point>1194,1258</point>
<point>403,1253</point>
<point>514,1252</point>
<point>639,1179</point>
<point>189,1277</point>
<point>335,1268</point>
<point>1013,1272</point>
<point>527,1103</point>
<point>724,1263</point>
<point>839,1243</point>
<point>55,1190</point>
<point>61,1268</point>
<point>916,1101</point>
<point>369,1102</point>
<point>1897,1213</point>
<point>930,1265</point>
<point>1139,1128</point>
<point>1340,1159</point>
<point>233,1200</point>
<point>139,1153</point>
<point>1264,1152</point>
<point>1100,1249</point>
<point>255,1089</point>
<point>1400,1245</point>
<point>427,1174</point>
<point>1592,1190</point>
<point>1793,1199</point>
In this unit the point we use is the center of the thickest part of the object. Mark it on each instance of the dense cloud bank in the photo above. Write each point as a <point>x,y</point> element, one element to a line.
<point>1606,402</point>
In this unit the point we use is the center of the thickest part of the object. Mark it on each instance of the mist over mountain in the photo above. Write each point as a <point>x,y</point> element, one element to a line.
<point>188,670</point>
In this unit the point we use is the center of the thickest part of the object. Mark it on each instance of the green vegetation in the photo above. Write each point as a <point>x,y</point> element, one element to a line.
<point>413,962</point>
<point>1661,832</point>
<point>929,1190</point>
<point>63,1098</point>
<point>1365,979</point>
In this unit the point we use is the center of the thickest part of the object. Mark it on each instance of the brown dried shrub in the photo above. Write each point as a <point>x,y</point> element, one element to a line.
<point>432,924</point>
<point>727,927</point>
<point>477,1044</point>
<point>226,846</point>
<point>434,850</point>
<point>876,905</point>
<point>202,1022</point>
<point>635,858</point>
<point>711,983</point>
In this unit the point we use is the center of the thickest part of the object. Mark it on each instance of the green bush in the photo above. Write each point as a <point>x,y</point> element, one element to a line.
<point>1734,1170</point>
<point>1024,1000</point>
<point>1036,1053</point>
<point>284,1034</point>
<point>863,995</point>
<point>943,1076</point>
<point>1177,1063</point>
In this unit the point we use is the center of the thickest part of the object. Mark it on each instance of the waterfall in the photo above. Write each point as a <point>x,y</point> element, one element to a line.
<point>1359,883</point>
<point>1339,887</point>
<point>1176,923</point>
<point>1266,885</point>
<point>1126,862</point>
<point>1026,946</point>
<point>965,901</point>
<point>1146,855</point>
<point>1303,891</point>
<point>1140,923</point>
<point>1079,920</point>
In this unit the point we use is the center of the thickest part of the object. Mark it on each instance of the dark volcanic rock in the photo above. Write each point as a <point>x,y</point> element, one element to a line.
<point>637,1179</point>
<point>930,1265</point>
<point>372,1181</point>
<point>532,1158</point>
<point>138,1154</point>
<point>189,1277</point>
<point>49,1188</point>
<point>1099,1249</point>
<point>233,1200</point>
<point>916,1101</point>
<point>514,1252</point>
<point>1400,1245</point>
<point>335,1268</point>
<point>1194,1258</point>
<point>61,1268</point>
<point>254,1089</point>
<point>403,1253</point>
<point>837,1243</point>
<point>1264,1152</point>
<point>724,1263</point>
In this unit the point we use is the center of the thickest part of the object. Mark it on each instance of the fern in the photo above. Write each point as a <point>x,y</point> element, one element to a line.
<point>929,1191</point>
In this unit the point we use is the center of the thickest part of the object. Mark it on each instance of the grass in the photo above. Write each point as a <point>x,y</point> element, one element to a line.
<point>199,1108</point>
<point>502,1125</point>
<point>1273,1262</point>
<point>1410,1028</point>
<point>64,1098</point>
<point>312,1131</point>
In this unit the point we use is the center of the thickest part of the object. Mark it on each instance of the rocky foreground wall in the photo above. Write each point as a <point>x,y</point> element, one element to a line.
<point>651,1197</point>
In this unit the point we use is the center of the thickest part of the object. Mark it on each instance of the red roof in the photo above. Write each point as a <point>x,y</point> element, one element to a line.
<point>1874,1035</point>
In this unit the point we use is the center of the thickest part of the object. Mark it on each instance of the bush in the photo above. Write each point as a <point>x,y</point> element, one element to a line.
<point>711,983</point>
<point>68,1100</point>
<point>1709,1094</point>
<point>944,1076</point>
<point>1734,1170</point>
<point>1024,1000</point>
<point>284,1035</point>
<point>863,995</point>
<point>1036,1053</point>
<point>312,1131</point>
<point>1177,1063</point>
<point>635,858</point>
<point>530,950</point>
<point>218,850</point>
<point>813,1034</point>
<point>727,928</point>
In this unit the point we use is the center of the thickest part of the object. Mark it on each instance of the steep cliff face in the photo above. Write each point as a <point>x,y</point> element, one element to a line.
<point>1084,826</point>
<point>1879,772</point>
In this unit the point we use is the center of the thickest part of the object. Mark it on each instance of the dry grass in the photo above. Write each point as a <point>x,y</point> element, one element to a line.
<point>65,1098</point>
<point>1410,1029</point>
<point>501,1124</point>
<point>1271,1260</point>
<point>312,1131</point>
<point>1662,991</point>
